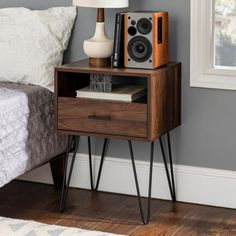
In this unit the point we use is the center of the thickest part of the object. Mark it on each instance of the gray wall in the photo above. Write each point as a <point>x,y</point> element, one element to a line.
<point>207,137</point>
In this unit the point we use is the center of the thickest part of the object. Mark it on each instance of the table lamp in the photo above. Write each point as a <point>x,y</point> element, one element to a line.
<point>99,48</point>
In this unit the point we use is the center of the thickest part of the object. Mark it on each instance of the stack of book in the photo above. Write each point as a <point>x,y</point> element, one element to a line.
<point>125,93</point>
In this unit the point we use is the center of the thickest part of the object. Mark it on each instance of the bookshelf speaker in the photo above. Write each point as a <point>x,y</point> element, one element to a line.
<point>146,39</point>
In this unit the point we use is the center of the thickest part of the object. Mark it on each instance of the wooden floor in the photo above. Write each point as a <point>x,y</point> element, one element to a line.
<point>113,213</point>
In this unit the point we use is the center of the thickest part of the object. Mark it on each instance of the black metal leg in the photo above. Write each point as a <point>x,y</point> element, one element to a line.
<point>105,145</point>
<point>147,219</point>
<point>66,181</point>
<point>171,167</point>
<point>65,173</point>
<point>170,176</point>
<point>101,162</point>
<point>170,179</point>
<point>90,164</point>
<point>71,168</point>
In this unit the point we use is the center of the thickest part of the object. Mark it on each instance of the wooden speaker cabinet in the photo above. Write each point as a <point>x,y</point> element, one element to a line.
<point>146,39</point>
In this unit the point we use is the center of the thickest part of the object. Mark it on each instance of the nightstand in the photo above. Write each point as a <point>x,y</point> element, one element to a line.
<point>146,119</point>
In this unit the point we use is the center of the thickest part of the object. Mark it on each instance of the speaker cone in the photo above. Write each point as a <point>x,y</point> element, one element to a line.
<point>139,49</point>
<point>132,30</point>
<point>144,26</point>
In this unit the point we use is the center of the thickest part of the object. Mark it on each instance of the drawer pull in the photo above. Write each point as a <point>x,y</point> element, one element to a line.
<point>94,117</point>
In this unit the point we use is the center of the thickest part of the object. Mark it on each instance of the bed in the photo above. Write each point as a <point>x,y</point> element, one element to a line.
<point>32,43</point>
<point>27,136</point>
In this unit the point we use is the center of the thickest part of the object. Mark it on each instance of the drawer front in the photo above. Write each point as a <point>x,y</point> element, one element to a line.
<point>102,117</point>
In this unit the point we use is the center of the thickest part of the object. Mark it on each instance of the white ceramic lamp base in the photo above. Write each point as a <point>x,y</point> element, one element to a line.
<point>99,46</point>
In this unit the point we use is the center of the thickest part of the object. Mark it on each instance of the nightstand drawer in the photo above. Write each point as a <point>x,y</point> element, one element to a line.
<point>104,117</point>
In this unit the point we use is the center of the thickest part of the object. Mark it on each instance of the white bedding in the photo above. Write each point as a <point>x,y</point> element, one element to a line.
<point>27,136</point>
<point>32,43</point>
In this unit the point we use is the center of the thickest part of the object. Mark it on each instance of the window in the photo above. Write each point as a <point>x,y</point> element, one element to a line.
<point>225,34</point>
<point>213,44</point>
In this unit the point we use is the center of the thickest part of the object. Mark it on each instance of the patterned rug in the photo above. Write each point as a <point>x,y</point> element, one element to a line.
<point>13,227</point>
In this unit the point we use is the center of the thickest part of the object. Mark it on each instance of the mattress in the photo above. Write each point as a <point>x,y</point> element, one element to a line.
<point>27,136</point>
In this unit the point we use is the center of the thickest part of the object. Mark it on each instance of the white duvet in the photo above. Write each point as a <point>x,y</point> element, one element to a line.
<point>27,136</point>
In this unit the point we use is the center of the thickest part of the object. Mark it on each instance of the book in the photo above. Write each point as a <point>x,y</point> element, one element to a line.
<point>118,50</point>
<point>125,93</point>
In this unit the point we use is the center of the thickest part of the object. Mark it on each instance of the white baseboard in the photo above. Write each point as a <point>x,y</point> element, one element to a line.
<point>193,184</point>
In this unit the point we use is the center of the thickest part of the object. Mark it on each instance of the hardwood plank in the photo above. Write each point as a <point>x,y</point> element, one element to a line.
<point>167,220</point>
<point>204,221</point>
<point>112,212</point>
<point>229,228</point>
<point>126,219</point>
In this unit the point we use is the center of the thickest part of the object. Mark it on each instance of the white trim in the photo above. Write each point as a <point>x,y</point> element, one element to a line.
<point>202,72</point>
<point>194,184</point>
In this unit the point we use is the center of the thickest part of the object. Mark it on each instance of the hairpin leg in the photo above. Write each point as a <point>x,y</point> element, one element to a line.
<point>171,167</point>
<point>147,219</point>
<point>90,164</point>
<point>66,183</point>
<point>105,145</point>
<point>170,179</point>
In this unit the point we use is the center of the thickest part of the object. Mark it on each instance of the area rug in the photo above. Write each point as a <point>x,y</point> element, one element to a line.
<point>13,227</point>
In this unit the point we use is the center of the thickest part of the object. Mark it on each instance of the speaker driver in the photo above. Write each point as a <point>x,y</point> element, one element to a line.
<point>132,30</point>
<point>144,26</point>
<point>139,49</point>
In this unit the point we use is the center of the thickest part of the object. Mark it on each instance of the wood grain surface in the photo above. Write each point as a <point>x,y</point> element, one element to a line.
<point>145,120</point>
<point>88,115</point>
<point>113,213</point>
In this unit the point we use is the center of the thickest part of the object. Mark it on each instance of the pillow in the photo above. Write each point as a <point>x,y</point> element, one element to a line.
<point>32,43</point>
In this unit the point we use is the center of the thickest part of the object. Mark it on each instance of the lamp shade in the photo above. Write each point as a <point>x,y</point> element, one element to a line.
<point>101,3</point>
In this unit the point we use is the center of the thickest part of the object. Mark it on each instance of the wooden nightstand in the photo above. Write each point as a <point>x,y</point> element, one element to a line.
<point>146,119</point>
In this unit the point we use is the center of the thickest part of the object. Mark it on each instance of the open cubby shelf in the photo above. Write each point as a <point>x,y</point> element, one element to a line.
<point>69,83</point>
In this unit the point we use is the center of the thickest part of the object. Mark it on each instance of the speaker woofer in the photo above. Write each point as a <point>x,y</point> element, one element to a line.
<point>139,49</point>
<point>144,26</point>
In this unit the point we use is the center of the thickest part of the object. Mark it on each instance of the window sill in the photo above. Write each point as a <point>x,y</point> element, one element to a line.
<point>212,80</point>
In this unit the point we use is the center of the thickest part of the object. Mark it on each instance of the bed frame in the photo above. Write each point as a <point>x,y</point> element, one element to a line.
<point>57,165</point>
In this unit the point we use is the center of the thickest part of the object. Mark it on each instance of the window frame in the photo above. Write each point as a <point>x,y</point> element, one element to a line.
<point>202,71</point>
